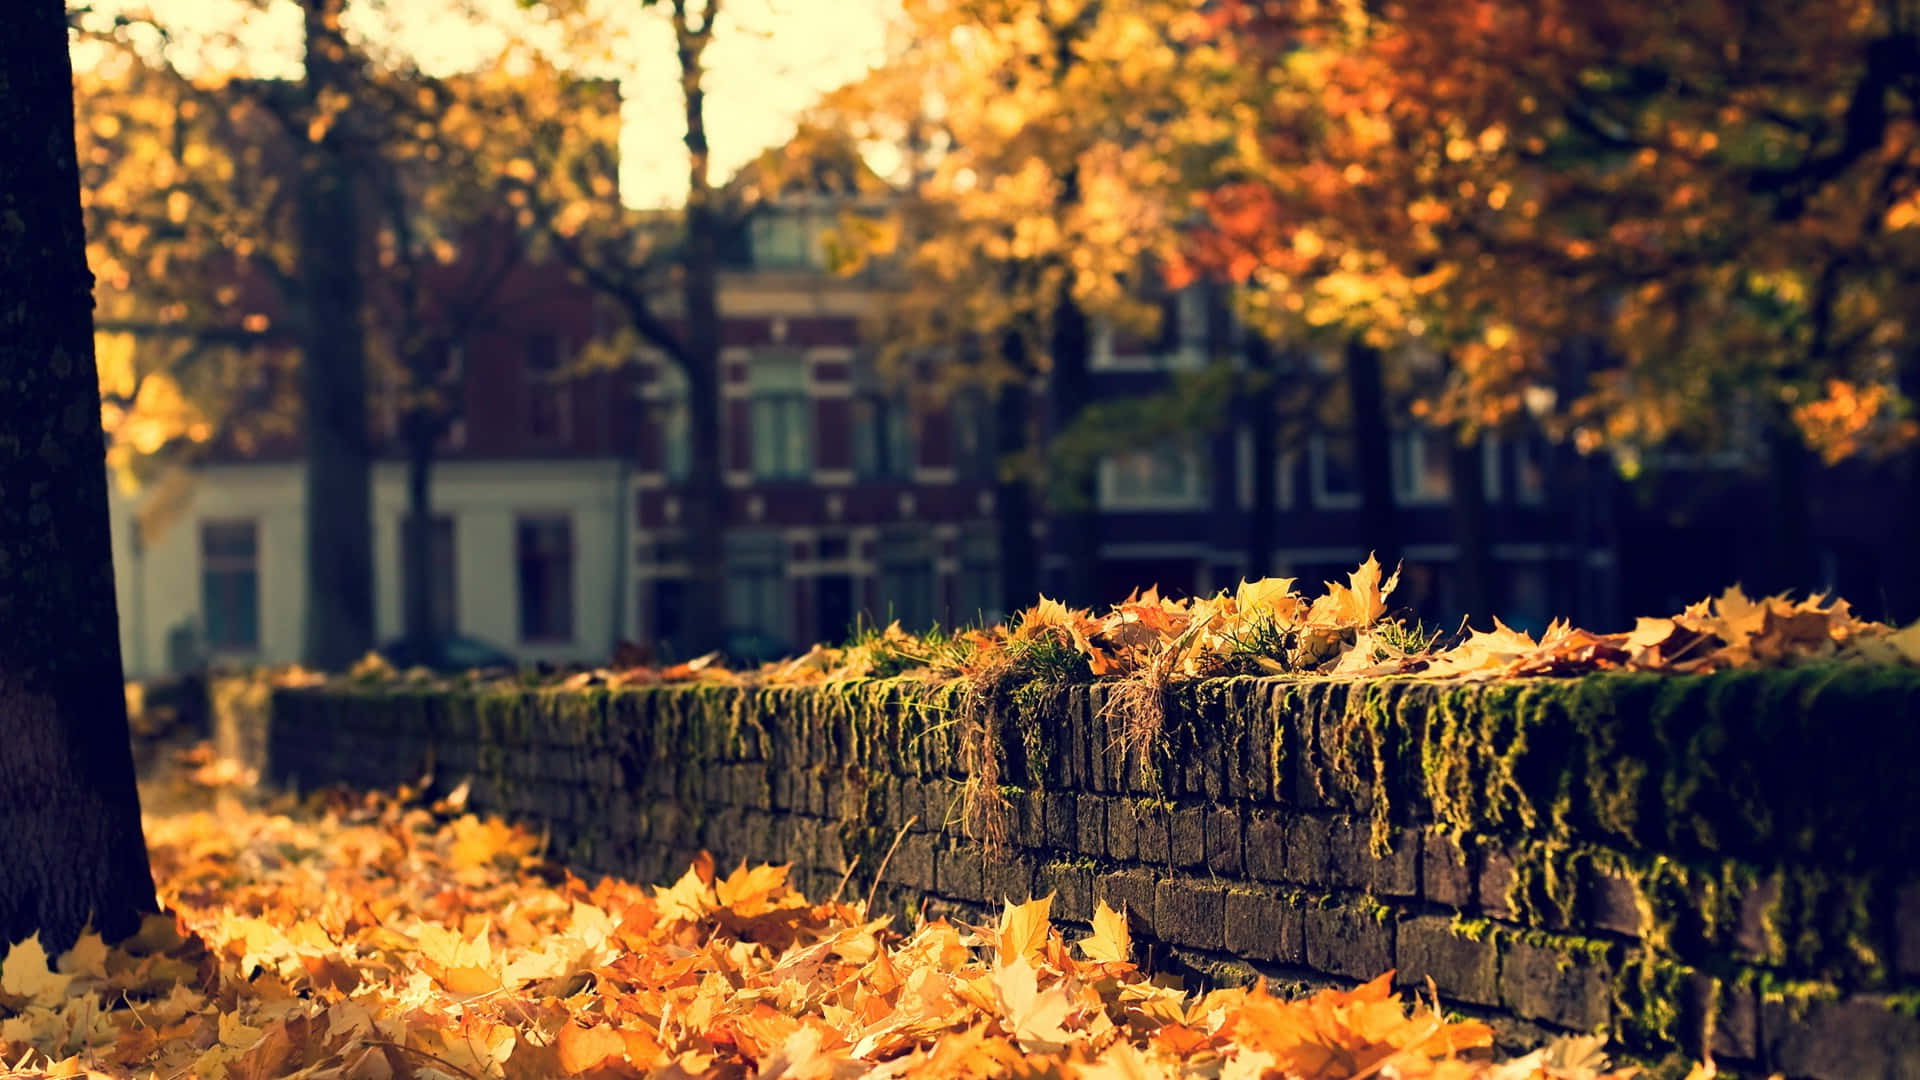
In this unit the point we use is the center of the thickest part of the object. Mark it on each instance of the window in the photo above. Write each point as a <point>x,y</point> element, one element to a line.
<point>1530,470</point>
<point>883,436</point>
<point>781,436</point>
<point>1167,477</point>
<point>230,585</point>
<point>441,616</point>
<point>783,239</point>
<point>548,413</point>
<point>978,601</point>
<point>1423,466</point>
<point>756,585</point>
<point>906,581</point>
<point>544,547</point>
<point>1336,471</point>
<point>973,435</point>
<point>675,419</point>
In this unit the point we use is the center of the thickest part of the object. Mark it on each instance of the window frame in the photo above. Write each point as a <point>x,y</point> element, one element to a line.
<point>211,564</point>
<point>521,523</point>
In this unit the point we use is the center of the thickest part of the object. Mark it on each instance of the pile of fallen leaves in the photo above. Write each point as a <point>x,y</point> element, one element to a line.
<point>378,937</point>
<point>1269,627</point>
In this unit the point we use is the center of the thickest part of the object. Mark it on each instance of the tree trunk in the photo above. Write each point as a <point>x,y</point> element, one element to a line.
<point>704,500</point>
<point>1012,496</point>
<point>1473,566</point>
<point>1790,550</point>
<point>1075,524</point>
<point>1373,450</point>
<point>1264,471</point>
<point>416,534</point>
<point>339,511</point>
<point>71,850</point>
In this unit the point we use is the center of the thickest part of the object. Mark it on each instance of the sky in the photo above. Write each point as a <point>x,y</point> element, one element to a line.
<point>770,59</point>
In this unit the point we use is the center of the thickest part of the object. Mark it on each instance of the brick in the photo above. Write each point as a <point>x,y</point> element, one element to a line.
<point>1009,879</point>
<point>1307,851</point>
<point>1493,879</point>
<point>1397,873</point>
<point>1349,852</point>
<point>1029,820</point>
<point>1265,925</point>
<point>1057,810</point>
<point>1090,826</point>
<point>1610,902</point>
<point>1349,940</point>
<point>1123,829</point>
<point>1191,913</point>
<point>1750,922</point>
<point>1223,843</point>
<point>1557,985</point>
<point>1072,888</point>
<point>960,872</point>
<point>1464,969</point>
<point>1443,871</point>
<point>1152,837</point>
<point>1856,1038</point>
<point>912,862</point>
<point>1906,929</point>
<point>1735,1018</point>
<point>1188,837</point>
<point>1266,846</point>
<point>1131,892</point>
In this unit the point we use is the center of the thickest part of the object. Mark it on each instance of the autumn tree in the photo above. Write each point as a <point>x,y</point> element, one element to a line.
<point>202,229</point>
<point>1041,196</point>
<point>1720,194</point>
<point>71,853</point>
<point>659,270</point>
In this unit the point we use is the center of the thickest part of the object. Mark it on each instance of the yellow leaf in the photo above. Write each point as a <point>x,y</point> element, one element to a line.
<point>1111,941</point>
<point>583,1048</point>
<point>25,973</point>
<point>87,957</point>
<point>1023,930</point>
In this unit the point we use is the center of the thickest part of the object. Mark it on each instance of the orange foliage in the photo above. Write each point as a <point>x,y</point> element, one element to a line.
<point>376,937</point>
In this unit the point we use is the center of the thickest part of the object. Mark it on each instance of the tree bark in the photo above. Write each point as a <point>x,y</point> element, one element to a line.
<point>1075,523</point>
<point>1012,496</point>
<point>339,510</point>
<point>1373,448</point>
<point>1791,564</point>
<point>1264,470</point>
<point>704,503</point>
<point>1473,565</point>
<point>71,850</point>
<point>416,535</point>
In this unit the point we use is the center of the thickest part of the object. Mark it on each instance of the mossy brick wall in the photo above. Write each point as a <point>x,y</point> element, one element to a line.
<point>1725,864</point>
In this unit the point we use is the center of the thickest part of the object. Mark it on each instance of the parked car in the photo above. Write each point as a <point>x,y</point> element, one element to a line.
<point>449,654</point>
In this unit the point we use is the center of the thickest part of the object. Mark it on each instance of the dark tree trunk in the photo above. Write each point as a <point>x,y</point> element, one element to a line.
<point>1791,564</point>
<point>416,534</point>
<point>339,512</point>
<point>71,851</point>
<point>1012,495</point>
<point>1373,449</point>
<point>1263,422</point>
<point>1900,572</point>
<point>1473,566</point>
<point>1075,524</point>
<point>704,503</point>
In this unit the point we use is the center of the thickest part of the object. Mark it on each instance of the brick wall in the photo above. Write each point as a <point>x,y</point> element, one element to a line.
<point>1719,864</point>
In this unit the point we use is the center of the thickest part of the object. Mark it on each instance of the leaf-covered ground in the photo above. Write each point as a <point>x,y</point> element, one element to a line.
<point>376,937</point>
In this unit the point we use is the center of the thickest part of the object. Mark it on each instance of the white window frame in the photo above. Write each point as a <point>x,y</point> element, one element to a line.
<point>1317,467</point>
